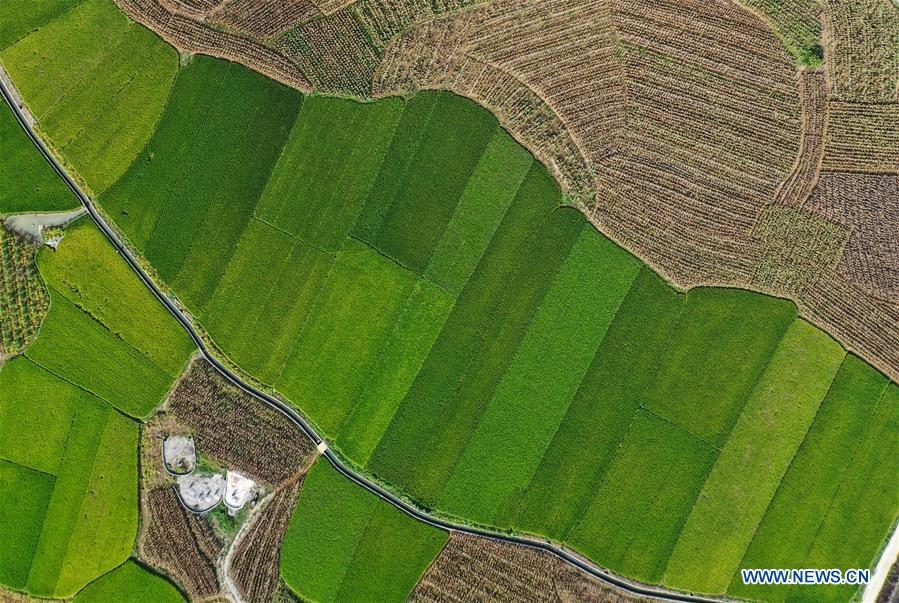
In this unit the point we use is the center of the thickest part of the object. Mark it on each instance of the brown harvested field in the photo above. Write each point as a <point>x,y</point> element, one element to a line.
<point>862,49</point>
<point>802,178</point>
<point>678,126</point>
<point>479,569</point>
<point>862,138</point>
<point>192,35</point>
<point>255,562</point>
<point>264,19</point>
<point>193,8</point>
<point>23,296</point>
<point>334,52</point>
<point>798,247</point>
<point>179,543</point>
<point>869,205</point>
<point>238,430</point>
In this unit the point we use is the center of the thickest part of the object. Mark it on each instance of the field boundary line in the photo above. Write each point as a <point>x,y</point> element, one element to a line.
<point>290,413</point>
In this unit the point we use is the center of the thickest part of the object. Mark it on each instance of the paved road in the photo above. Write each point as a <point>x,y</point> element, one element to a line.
<point>297,419</point>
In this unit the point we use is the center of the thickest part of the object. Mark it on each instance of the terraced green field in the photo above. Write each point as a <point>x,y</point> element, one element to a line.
<point>345,544</point>
<point>68,457</point>
<point>403,273</point>
<point>521,383</point>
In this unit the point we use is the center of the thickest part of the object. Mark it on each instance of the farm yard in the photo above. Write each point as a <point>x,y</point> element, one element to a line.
<point>476,569</point>
<point>473,308</point>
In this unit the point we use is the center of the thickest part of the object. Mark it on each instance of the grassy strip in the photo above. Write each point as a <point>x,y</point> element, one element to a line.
<point>408,547</point>
<point>598,417</point>
<point>237,304</point>
<point>23,503</point>
<point>633,522</point>
<point>68,493</point>
<point>401,357</point>
<point>207,169</point>
<point>485,200</point>
<point>788,528</point>
<point>344,544</point>
<point>29,183</point>
<point>286,310</point>
<point>79,349</point>
<point>863,511</point>
<point>258,141</point>
<point>448,151</point>
<point>138,199</point>
<point>341,339</point>
<point>129,583</point>
<point>265,295</point>
<point>721,345</point>
<point>530,401</point>
<point>762,444</point>
<point>88,272</point>
<point>330,517</point>
<point>327,168</point>
<point>391,175</point>
<point>104,534</point>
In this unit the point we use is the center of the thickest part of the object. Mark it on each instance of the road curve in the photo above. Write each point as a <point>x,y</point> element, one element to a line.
<point>575,560</point>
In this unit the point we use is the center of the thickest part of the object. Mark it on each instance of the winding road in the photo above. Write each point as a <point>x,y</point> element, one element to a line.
<point>560,552</point>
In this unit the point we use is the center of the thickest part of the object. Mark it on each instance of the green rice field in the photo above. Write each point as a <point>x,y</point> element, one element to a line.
<point>72,515</point>
<point>345,544</point>
<point>411,279</point>
<point>95,81</point>
<point>105,332</point>
<point>29,183</point>
<point>130,583</point>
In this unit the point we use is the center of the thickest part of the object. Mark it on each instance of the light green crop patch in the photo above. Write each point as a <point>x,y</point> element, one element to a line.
<point>89,273</point>
<point>343,334</point>
<point>820,466</point>
<point>720,347</point>
<point>646,494</point>
<point>752,463</point>
<point>23,502</point>
<point>96,486</point>
<point>29,183</point>
<point>98,83</point>
<point>129,583</point>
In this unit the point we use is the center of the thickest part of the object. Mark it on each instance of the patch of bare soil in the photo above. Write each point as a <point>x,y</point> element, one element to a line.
<point>479,569</point>
<point>253,563</point>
